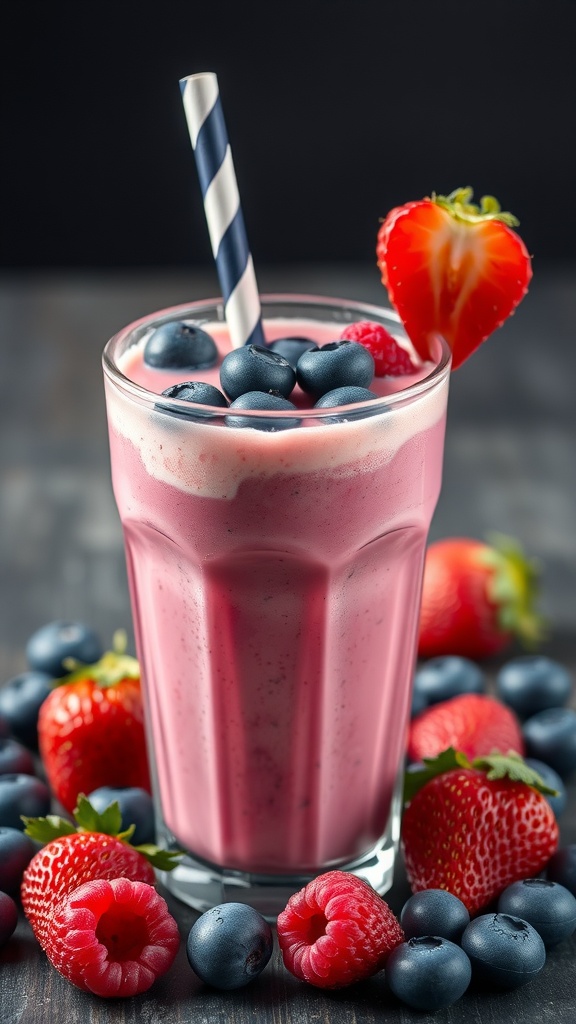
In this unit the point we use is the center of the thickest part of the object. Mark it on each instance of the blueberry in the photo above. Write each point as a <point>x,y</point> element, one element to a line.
<point>136,808</point>
<point>197,393</point>
<point>434,912</point>
<point>348,396</point>
<point>4,727</point>
<point>445,677</point>
<point>552,779</point>
<point>428,972</point>
<point>229,945</point>
<point>561,867</point>
<point>550,736</point>
<point>180,346</point>
<point>419,703</point>
<point>549,907</point>
<point>16,852</point>
<point>260,400</point>
<point>20,701</point>
<point>252,368</point>
<point>47,649</point>
<point>15,758</point>
<point>336,365</point>
<point>292,348</point>
<point>22,794</point>
<point>533,683</point>
<point>504,950</point>
<point>8,917</point>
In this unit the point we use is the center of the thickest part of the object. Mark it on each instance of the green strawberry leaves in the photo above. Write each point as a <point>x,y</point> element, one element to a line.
<point>514,589</point>
<point>88,819</point>
<point>459,204</point>
<point>495,766</point>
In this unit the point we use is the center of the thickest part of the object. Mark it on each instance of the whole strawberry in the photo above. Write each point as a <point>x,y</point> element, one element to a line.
<point>476,598</point>
<point>91,729</point>
<point>452,268</point>
<point>92,848</point>
<point>475,827</point>
<point>473,723</point>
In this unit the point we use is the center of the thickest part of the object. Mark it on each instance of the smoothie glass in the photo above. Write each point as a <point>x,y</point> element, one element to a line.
<point>275,580</point>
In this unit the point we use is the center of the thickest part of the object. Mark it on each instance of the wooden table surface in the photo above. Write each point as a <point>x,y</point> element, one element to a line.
<point>509,466</point>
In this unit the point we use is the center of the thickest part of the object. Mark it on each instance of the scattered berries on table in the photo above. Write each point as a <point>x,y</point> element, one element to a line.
<point>16,852</point>
<point>448,676</point>
<point>136,808</point>
<point>71,857</point>
<point>50,647</point>
<point>336,931</point>
<point>532,683</point>
<point>434,912</point>
<point>549,907</point>
<point>503,950</point>
<point>561,867</point>
<point>8,917</point>
<point>112,937</point>
<point>229,945</point>
<point>15,758</point>
<point>550,736</point>
<point>473,828</point>
<point>428,972</point>
<point>91,729</point>
<point>474,723</point>
<point>22,795</point>
<point>558,799</point>
<point>20,702</point>
<point>476,598</point>
<point>390,358</point>
<point>454,268</point>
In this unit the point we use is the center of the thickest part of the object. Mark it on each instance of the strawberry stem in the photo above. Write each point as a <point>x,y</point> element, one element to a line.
<point>459,204</point>
<point>494,766</point>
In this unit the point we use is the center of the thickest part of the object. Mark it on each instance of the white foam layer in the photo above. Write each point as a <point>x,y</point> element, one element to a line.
<point>212,460</point>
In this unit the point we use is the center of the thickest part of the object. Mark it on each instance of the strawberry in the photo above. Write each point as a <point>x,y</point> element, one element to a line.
<point>92,848</point>
<point>453,268</point>
<point>473,723</point>
<point>477,597</point>
<point>91,728</point>
<point>473,828</point>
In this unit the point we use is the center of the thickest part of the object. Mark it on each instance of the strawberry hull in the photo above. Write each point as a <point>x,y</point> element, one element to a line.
<point>275,581</point>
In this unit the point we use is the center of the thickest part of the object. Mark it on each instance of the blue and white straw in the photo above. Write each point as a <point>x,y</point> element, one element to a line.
<point>234,264</point>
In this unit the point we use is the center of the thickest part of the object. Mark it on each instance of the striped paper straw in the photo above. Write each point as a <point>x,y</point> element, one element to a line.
<point>234,264</point>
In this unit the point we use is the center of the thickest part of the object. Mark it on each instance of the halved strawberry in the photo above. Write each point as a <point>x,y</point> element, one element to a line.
<point>453,268</point>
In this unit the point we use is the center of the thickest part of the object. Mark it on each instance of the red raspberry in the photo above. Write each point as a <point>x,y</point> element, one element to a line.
<point>390,359</point>
<point>113,938</point>
<point>337,930</point>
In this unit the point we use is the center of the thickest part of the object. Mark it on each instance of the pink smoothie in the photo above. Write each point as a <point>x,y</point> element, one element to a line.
<point>275,580</point>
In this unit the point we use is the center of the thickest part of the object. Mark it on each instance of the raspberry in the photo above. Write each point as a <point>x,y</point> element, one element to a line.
<point>390,359</point>
<point>336,931</point>
<point>112,938</point>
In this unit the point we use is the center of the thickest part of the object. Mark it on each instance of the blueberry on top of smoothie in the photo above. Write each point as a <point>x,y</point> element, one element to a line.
<point>292,348</point>
<point>180,346</point>
<point>197,392</point>
<point>253,368</point>
<point>264,401</point>
<point>336,365</point>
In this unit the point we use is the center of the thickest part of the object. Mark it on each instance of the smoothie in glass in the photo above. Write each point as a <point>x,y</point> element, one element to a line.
<point>275,579</point>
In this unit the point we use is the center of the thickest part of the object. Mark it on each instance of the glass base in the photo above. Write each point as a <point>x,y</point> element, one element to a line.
<point>202,885</point>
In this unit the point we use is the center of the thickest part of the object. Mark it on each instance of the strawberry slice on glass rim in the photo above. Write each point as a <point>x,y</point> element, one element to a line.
<point>452,267</point>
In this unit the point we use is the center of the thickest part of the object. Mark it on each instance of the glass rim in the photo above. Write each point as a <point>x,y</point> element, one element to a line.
<point>437,374</point>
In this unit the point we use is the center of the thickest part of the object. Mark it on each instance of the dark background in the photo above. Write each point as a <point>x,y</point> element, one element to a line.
<point>336,112</point>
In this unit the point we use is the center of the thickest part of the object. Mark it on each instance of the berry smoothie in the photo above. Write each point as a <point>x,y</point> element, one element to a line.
<point>275,579</point>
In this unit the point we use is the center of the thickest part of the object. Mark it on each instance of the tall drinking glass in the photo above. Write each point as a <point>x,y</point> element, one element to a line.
<point>275,579</point>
